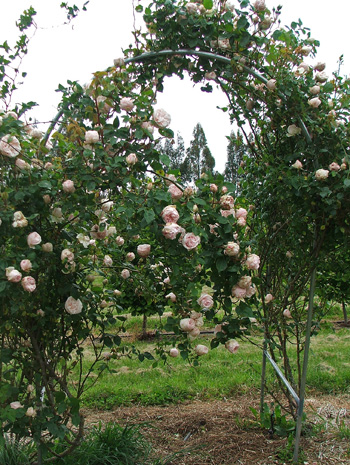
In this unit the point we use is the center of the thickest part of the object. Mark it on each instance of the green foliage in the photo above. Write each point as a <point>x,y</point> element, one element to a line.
<point>272,419</point>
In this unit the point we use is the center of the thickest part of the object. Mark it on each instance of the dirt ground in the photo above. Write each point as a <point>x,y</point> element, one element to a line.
<point>225,432</point>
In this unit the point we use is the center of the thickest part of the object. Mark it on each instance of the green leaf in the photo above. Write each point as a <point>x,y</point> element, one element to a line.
<point>45,184</point>
<point>208,4</point>
<point>149,216</point>
<point>164,159</point>
<point>139,8</point>
<point>244,311</point>
<point>221,264</point>
<point>347,182</point>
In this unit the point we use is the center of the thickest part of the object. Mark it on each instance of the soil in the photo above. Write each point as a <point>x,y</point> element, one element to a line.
<point>225,432</point>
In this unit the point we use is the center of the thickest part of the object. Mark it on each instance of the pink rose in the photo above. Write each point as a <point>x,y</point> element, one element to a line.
<point>107,260</point>
<point>241,213</point>
<point>175,192</point>
<point>213,188</point>
<point>297,165</point>
<point>187,324</point>
<point>161,118</point>
<point>170,179</point>
<point>33,239</point>
<point>231,249</point>
<point>130,256</point>
<point>119,240</point>
<point>125,274</point>
<point>174,352</point>
<point>68,186</point>
<point>314,90</point>
<point>268,298</point>
<point>188,192</point>
<point>286,313</point>
<point>68,255</point>
<point>91,137</point>
<point>193,334</point>
<point>232,346</point>
<point>320,66</point>
<point>238,292</point>
<point>10,146</point>
<point>131,159</point>
<point>127,103</point>
<point>171,230</point>
<point>170,214</point>
<point>47,247</point>
<point>314,102</point>
<point>321,174</point>
<point>250,291</point>
<point>252,262</point>
<point>15,405</point>
<point>271,84</point>
<point>227,202</point>
<point>148,126</point>
<point>190,241</point>
<point>334,166</point>
<point>210,76</point>
<point>205,301</point>
<point>143,250</point>
<point>26,265</point>
<point>28,284</point>
<point>73,306</point>
<point>14,276</point>
<point>171,296</point>
<point>241,221</point>
<point>19,220</point>
<point>227,213</point>
<point>259,5</point>
<point>245,282</point>
<point>321,77</point>
<point>201,349</point>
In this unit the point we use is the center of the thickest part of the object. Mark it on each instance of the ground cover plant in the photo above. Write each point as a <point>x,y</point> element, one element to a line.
<point>93,202</point>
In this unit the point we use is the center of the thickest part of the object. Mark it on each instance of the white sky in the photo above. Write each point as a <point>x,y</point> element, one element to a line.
<point>91,42</point>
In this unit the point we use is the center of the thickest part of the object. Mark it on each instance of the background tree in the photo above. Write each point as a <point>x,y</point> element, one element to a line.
<point>236,148</point>
<point>175,152</point>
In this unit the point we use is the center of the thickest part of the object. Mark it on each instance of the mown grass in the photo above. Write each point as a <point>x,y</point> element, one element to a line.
<point>220,374</point>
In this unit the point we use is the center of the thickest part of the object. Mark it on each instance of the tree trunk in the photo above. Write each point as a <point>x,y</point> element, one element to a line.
<point>144,326</point>
<point>345,313</point>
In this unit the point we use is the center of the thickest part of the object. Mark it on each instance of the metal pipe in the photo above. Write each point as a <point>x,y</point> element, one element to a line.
<point>263,377</point>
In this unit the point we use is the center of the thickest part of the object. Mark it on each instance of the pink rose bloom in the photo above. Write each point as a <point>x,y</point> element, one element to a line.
<point>271,84</point>
<point>320,66</point>
<point>30,412</point>
<point>250,291</point>
<point>210,76</point>
<point>241,213</point>
<point>14,276</point>
<point>289,254</point>
<point>195,315</point>
<point>117,292</point>
<point>241,221</point>
<point>201,349</point>
<point>68,186</point>
<point>175,192</point>
<point>286,313</point>
<point>293,130</point>
<point>231,249</point>
<point>15,405</point>
<point>33,239</point>
<point>118,62</point>
<point>245,282</point>
<point>213,188</point>
<point>238,292</point>
<point>161,118</point>
<point>47,247</point>
<point>171,296</point>
<point>10,146</point>
<point>252,262</point>
<point>314,102</point>
<point>143,250</point>
<point>334,166</point>
<point>227,213</point>
<point>314,90</point>
<point>171,230</point>
<point>125,274</point>
<point>268,298</point>
<point>170,214</point>
<point>21,164</point>
<point>166,280</point>
<point>227,202</point>
<point>73,306</point>
<point>190,241</point>
<point>131,159</point>
<point>107,260</point>
<point>188,192</point>
<point>297,165</point>
<point>187,324</point>
<point>193,334</point>
<point>28,284</point>
<point>191,8</point>
<point>321,174</point>
<point>26,265</point>
<point>119,240</point>
<point>92,137</point>
<point>174,352</point>
<point>127,104</point>
<point>321,77</point>
<point>19,220</point>
<point>130,256</point>
<point>170,178</point>
<point>259,5</point>
<point>232,346</point>
<point>47,199</point>
<point>67,254</point>
<point>205,301</point>
<point>148,126</point>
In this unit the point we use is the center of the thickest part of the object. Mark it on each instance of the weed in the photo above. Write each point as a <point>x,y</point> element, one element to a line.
<point>285,454</point>
<point>271,418</point>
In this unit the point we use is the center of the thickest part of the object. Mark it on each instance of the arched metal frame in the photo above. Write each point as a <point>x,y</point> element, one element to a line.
<point>299,400</point>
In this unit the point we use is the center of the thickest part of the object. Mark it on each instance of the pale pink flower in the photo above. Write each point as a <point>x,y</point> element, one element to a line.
<point>31,412</point>
<point>205,301</point>
<point>213,188</point>
<point>47,247</point>
<point>245,282</point>
<point>119,240</point>
<point>289,254</point>
<point>73,306</point>
<point>314,90</point>
<point>321,174</point>
<point>175,192</point>
<point>118,62</point>
<point>293,130</point>
<point>174,352</point>
<point>241,213</point>
<point>195,315</point>
<point>107,260</point>
<point>320,66</point>
<point>297,165</point>
<point>148,126</point>
<point>171,230</point>
<point>238,292</point>
<point>127,103</point>
<point>68,186</point>
<point>250,291</point>
<point>268,298</point>
<point>224,189</point>
<point>321,76</point>
<point>125,274</point>
<point>130,256</point>
<point>259,5</point>
<point>191,8</point>
<point>188,192</point>
<point>19,220</point>
<point>241,221</point>
<point>306,50</point>
<point>314,102</point>
<point>227,213</point>
<point>161,118</point>
<point>187,324</point>
<point>201,349</point>
<point>13,275</point>
<point>210,75</point>
<point>166,280</point>
<point>28,284</point>
<point>33,239</point>
<point>68,255</point>
<point>171,296</point>
<point>227,202</point>
<point>271,84</point>
<point>252,262</point>
<point>143,250</point>
<point>10,146</point>
<point>15,405</point>
<point>286,313</point>
<point>47,199</point>
<point>21,164</point>
<point>190,241</point>
<point>334,166</point>
<point>92,137</point>
<point>231,249</point>
<point>26,265</point>
<point>170,179</point>
<point>194,333</point>
<point>232,346</point>
<point>131,159</point>
<point>170,214</point>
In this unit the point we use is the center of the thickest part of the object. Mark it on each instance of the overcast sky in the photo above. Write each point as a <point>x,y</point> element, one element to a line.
<point>91,42</point>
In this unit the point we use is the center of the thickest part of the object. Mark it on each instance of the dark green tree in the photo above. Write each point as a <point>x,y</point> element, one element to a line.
<point>174,151</point>
<point>235,150</point>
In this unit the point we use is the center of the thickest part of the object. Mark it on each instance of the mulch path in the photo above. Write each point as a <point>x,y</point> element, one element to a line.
<point>225,432</point>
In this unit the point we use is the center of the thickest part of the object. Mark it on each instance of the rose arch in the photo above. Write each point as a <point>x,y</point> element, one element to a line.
<point>94,222</point>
